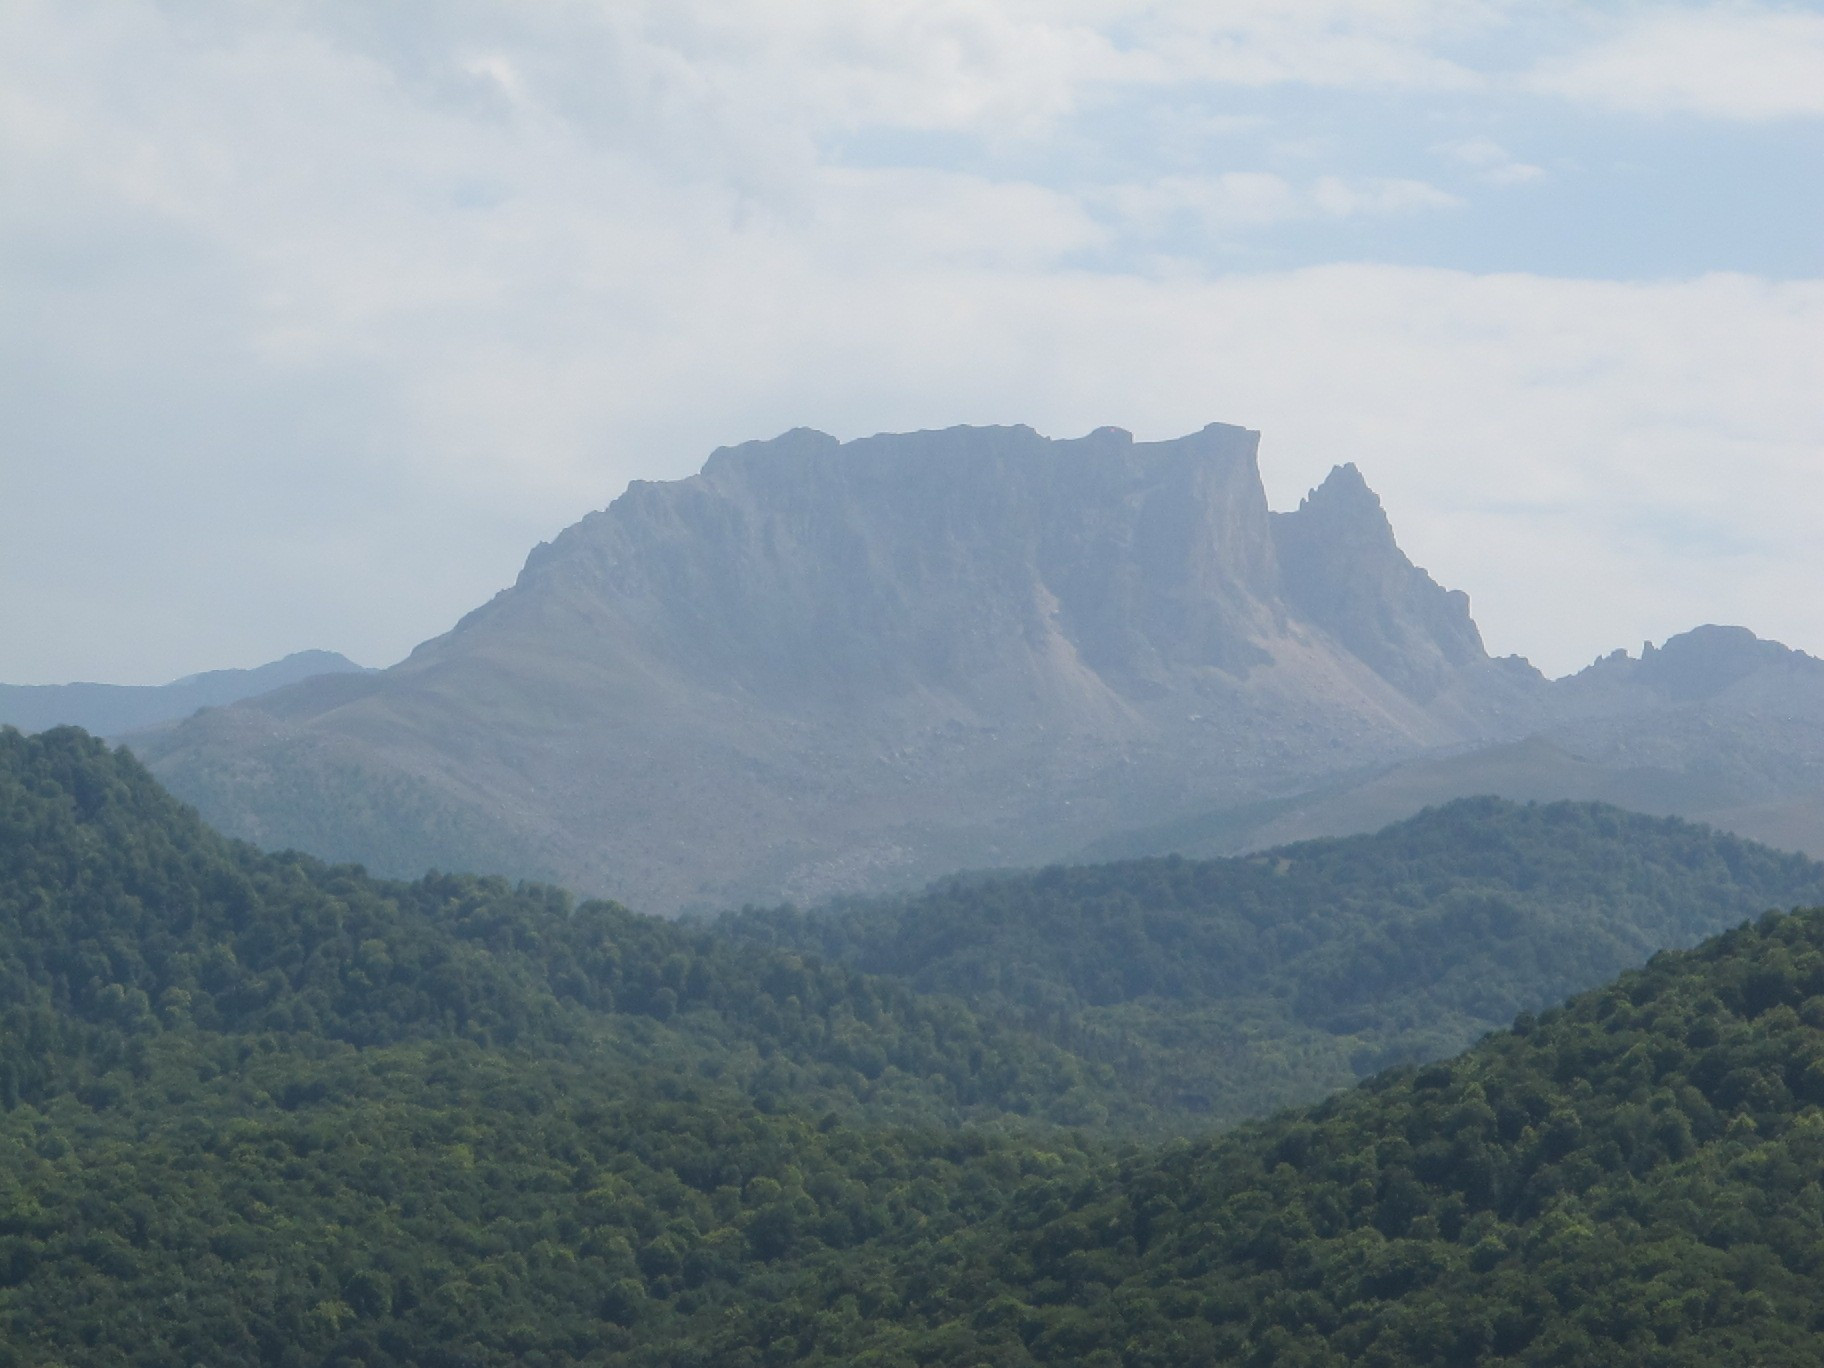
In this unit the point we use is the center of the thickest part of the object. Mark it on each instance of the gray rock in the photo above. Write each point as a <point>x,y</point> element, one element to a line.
<point>820,667</point>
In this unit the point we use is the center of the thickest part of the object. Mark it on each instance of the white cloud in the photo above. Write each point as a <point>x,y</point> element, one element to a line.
<point>919,215</point>
<point>973,64</point>
<point>1344,198</point>
<point>1221,202</point>
<point>312,328</point>
<point>1728,61</point>
<point>1512,173</point>
<point>1488,161</point>
<point>1226,204</point>
<point>1339,44</point>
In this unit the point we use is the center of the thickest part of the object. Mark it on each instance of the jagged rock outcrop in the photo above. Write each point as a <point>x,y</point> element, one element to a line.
<point>1343,571</point>
<point>1694,666</point>
<point>820,666</point>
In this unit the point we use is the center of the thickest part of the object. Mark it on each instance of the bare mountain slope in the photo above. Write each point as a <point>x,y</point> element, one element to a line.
<point>816,667</point>
<point>1716,725</point>
<point>110,709</point>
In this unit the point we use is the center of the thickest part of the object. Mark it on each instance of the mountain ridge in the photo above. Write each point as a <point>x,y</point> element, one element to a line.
<point>821,666</point>
<point>1207,979</point>
<point>114,709</point>
<point>818,667</point>
<point>1715,725</point>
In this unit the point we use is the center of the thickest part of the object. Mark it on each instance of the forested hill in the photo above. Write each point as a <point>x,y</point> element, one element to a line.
<point>122,917</point>
<point>258,1110</point>
<point>1631,1181</point>
<point>1231,986</point>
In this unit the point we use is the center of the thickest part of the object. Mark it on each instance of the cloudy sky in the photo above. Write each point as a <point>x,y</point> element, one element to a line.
<point>314,317</point>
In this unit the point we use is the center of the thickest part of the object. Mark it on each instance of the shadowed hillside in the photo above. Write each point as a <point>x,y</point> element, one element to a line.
<point>1228,987</point>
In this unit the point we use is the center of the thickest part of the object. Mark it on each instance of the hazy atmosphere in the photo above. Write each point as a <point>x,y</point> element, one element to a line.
<point>830,682</point>
<point>316,317</point>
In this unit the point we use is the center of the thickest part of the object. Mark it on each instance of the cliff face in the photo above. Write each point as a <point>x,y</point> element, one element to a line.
<point>1343,572</point>
<point>975,562</point>
<point>986,564</point>
<point>819,666</point>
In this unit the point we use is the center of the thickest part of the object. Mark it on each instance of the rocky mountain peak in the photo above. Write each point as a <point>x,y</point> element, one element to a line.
<point>1342,570</point>
<point>981,561</point>
<point>821,666</point>
<point>1706,660</point>
<point>1345,494</point>
<point>1694,665</point>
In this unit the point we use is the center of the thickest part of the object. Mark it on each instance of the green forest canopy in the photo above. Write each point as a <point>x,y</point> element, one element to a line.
<point>1227,987</point>
<point>255,1109</point>
<point>1632,1179</point>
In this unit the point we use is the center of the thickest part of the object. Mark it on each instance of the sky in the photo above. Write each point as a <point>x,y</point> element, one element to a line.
<point>316,317</point>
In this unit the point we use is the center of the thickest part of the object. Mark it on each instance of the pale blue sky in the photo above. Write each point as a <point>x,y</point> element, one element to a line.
<point>1521,181</point>
<point>314,317</point>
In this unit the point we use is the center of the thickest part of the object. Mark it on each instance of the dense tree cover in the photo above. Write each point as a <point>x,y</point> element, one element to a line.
<point>256,1200</point>
<point>1632,1179</point>
<point>1226,987</point>
<point>258,1110</point>
<point>122,915</point>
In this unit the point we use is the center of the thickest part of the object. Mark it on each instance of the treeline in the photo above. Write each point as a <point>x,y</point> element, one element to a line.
<point>1226,987</point>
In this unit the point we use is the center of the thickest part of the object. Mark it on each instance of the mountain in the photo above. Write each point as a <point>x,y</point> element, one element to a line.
<point>1224,988</point>
<point>818,667</point>
<point>112,709</point>
<point>1717,725</point>
<point>1341,570</point>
